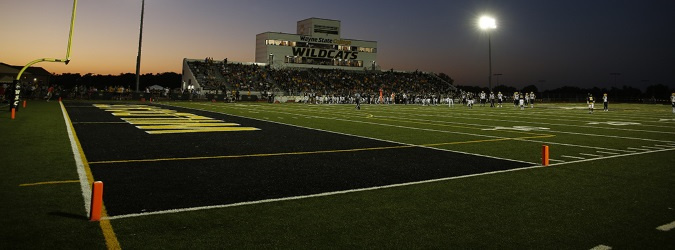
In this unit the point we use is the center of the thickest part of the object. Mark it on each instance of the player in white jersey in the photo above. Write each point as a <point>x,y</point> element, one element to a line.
<point>500,98</point>
<point>491,99</point>
<point>521,102</point>
<point>482,98</point>
<point>516,99</point>
<point>527,99</point>
<point>591,103</point>
<point>451,102</point>
<point>672,101</point>
<point>605,102</point>
<point>532,97</point>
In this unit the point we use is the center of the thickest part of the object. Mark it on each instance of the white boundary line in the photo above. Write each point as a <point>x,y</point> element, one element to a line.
<point>555,160</point>
<point>549,131</point>
<point>81,173</point>
<point>638,149</point>
<point>348,191</point>
<point>171,211</point>
<point>650,147</point>
<point>545,123</point>
<point>370,138</point>
<point>603,152</point>
<point>666,227</point>
<point>433,130</point>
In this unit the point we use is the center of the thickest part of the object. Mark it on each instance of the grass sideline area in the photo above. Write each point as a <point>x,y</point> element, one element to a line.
<point>613,201</point>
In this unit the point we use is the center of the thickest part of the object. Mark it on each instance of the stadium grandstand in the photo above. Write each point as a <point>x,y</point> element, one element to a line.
<point>315,62</point>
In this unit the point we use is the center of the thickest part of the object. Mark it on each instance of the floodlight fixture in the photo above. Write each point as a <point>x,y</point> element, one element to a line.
<point>486,22</point>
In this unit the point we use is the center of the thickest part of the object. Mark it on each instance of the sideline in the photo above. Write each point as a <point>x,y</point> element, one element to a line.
<point>84,173</point>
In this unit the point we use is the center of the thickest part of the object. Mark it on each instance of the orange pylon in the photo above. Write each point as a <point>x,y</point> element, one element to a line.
<point>544,155</point>
<point>96,201</point>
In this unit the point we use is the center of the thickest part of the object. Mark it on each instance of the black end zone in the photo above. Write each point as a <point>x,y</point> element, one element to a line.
<point>136,187</point>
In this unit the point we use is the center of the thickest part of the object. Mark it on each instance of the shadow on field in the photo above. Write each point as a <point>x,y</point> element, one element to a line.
<point>68,215</point>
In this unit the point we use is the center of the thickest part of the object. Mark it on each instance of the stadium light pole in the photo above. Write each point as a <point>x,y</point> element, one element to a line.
<point>140,41</point>
<point>487,23</point>
<point>498,76</point>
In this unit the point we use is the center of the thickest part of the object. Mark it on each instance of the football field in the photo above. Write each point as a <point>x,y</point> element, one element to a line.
<point>258,175</point>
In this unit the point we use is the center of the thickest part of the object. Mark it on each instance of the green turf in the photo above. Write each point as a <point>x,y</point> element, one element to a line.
<point>616,202</point>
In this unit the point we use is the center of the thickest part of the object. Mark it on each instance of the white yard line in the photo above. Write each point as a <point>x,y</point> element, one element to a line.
<point>371,138</point>
<point>666,227</point>
<point>591,155</point>
<point>573,157</point>
<point>659,145</point>
<point>603,152</point>
<point>638,149</point>
<point>554,124</point>
<point>614,156</point>
<point>529,140</point>
<point>601,247</point>
<point>548,131</point>
<point>81,172</point>
<point>555,160</point>
<point>650,147</point>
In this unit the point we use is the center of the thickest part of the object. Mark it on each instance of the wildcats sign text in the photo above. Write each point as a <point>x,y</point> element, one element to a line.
<point>324,53</point>
<point>155,120</point>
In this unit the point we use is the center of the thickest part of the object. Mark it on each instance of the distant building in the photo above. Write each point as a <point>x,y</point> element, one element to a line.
<point>317,44</point>
<point>32,74</point>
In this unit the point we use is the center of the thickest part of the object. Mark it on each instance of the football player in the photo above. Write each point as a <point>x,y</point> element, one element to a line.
<point>500,98</point>
<point>605,102</point>
<point>591,103</point>
<point>482,98</point>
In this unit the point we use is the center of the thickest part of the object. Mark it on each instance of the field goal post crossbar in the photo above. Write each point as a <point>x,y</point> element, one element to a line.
<point>17,81</point>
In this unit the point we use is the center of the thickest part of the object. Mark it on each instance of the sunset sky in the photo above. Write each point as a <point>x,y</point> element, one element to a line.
<point>573,42</point>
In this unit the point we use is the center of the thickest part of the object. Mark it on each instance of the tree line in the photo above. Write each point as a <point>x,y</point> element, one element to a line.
<point>127,80</point>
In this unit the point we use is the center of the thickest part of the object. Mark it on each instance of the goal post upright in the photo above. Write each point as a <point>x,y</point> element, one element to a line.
<point>17,81</point>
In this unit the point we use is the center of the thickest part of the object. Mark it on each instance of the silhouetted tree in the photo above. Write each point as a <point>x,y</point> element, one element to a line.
<point>530,88</point>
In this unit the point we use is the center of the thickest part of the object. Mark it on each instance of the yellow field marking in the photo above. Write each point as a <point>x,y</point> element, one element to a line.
<point>155,120</point>
<point>48,183</point>
<point>312,152</point>
<point>108,232</point>
<point>199,130</point>
<point>100,123</point>
<point>189,125</point>
<point>252,155</point>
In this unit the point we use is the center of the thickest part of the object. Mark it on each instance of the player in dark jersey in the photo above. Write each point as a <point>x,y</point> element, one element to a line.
<point>591,103</point>
<point>358,101</point>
